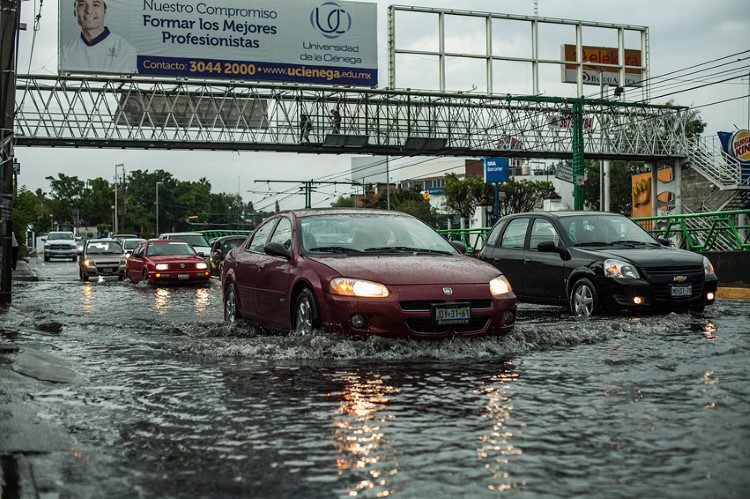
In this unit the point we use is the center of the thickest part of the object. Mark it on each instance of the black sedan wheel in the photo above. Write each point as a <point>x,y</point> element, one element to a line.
<point>231,313</point>
<point>584,300</point>
<point>305,313</point>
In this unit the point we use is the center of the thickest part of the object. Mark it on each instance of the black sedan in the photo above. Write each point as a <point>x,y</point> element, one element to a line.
<point>595,262</point>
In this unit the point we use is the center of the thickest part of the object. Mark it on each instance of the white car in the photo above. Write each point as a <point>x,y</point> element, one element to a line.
<point>194,239</point>
<point>60,245</point>
<point>129,244</point>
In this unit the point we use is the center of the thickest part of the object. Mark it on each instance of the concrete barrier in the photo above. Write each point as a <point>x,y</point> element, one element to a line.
<point>732,267</point>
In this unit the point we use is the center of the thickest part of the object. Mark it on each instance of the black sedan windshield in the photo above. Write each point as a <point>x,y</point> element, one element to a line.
<point>602,229</point>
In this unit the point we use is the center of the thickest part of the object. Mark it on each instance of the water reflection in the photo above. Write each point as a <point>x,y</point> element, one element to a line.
<point>171,297</point>
<point>201,300</point>
<point>709,331</point>
<point>496,448</point>
<point>161,300</point>
<point>359,433</point>
<point>87,296</point>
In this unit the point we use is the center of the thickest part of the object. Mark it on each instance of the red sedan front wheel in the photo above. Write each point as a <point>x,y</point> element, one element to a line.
<point>305,313</point>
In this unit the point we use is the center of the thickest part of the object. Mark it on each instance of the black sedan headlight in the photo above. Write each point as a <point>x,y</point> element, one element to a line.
<point>708,268</point>
<point>617,269</point>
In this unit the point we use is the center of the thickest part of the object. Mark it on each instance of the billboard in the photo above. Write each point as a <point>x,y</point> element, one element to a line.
<point>602,55</point>
<point>300,41</point>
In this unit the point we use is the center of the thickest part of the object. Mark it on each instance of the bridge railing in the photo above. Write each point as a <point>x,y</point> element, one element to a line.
<point>141,112</point>
<point>713,231</point>
<point>213,234</point>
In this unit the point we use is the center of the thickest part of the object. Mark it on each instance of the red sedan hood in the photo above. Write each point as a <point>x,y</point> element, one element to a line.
<point>395,270</point>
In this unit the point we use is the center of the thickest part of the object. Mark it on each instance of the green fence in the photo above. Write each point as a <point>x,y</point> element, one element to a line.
<point>713,231</point>
<point>473,239</point>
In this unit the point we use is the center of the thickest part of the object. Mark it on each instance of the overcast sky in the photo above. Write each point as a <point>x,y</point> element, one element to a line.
<point>683,33</point>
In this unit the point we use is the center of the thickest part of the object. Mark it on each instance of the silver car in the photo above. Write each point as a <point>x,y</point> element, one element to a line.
<point>102,257</point>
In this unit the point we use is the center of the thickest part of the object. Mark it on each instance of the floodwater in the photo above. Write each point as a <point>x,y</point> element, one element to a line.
<point>170,402</point>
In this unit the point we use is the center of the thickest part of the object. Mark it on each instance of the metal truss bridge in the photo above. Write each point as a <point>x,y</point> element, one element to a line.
<point>143,113</point>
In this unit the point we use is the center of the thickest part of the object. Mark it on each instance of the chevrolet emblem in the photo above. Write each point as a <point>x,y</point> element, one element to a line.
<point>679,278</point>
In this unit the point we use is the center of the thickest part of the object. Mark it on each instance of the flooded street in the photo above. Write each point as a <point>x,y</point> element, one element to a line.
<point>162,399</point>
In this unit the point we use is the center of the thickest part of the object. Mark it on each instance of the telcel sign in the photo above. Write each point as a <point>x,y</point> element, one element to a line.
<point>495,170</point>
<point>304,41</point>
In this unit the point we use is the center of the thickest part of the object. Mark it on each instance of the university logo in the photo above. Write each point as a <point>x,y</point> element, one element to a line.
<point>331,20</point>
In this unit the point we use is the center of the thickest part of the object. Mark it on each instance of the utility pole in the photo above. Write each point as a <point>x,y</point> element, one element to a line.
<point>157,208</point>
<point>578,160</point>
<point>307,186</point>
<point>117,181</point>
<point>9,10</point>
<point>387,183</point>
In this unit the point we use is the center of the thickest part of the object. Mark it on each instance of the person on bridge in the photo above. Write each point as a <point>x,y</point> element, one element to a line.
<point>97,49</point>
<point>305,127</point>
<point>336,121</point>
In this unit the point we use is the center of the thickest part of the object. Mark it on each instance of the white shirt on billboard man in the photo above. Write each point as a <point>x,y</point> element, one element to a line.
<point>96,49</point>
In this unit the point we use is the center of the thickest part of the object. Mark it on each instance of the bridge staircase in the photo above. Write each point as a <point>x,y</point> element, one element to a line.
<point>730,194</point>
<point>724,172</point>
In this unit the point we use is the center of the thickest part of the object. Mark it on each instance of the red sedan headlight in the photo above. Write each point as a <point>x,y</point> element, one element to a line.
<point>500,286</point>
<point>346,286</point>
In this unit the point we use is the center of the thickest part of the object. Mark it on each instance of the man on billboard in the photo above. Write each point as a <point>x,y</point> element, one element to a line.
<point>97,49</point>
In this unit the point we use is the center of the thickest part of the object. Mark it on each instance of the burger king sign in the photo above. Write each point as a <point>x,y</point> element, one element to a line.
<point>739,146</point>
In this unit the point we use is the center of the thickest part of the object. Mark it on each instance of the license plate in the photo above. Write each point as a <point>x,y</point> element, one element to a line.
<point>183,276</point>
<point>454,313</point>
<point>680,291</point>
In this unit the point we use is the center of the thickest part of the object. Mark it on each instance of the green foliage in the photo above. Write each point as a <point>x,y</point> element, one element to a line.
<point>136,204</point>
<point>408,201</point>
<point>523,195</point>
<point>344,202</point>
<point>462,196</point>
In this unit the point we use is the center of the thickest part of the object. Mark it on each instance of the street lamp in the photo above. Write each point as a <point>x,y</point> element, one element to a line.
<point>157,208</point>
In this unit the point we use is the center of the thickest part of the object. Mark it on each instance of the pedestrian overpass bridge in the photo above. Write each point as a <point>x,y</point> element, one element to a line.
<point>91,112</point>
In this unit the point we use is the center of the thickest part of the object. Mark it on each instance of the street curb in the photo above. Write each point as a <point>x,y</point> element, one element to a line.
<point>736,293</point>
<point>24,272</point>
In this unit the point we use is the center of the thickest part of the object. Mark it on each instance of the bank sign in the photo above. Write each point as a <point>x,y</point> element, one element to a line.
<point>495,170</point>
<point>301,41</point>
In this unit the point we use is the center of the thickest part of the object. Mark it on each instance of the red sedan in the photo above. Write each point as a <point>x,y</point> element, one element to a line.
<point>166,261</point>
<point>362,272</point>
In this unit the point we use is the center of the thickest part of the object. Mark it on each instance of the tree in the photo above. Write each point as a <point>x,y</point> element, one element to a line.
<point>523,195</point>
<point>408,201</point>
<point>344,202</point>
<point>66,194</point>
<point>462,196</point>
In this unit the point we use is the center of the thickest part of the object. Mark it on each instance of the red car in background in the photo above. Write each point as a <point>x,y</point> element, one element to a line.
<point>362,272</point>
<point>166,261</point>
